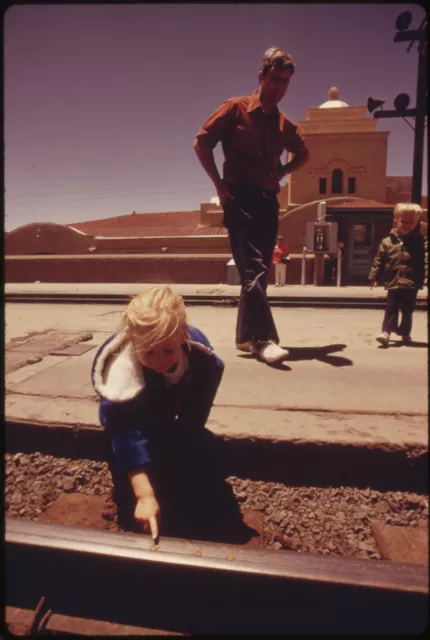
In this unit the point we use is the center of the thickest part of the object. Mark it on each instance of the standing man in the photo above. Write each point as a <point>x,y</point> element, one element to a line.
<point>254,135</point>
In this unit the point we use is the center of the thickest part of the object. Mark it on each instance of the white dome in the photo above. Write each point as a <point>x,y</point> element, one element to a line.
<point>333,104</point>
<point>333,101</point>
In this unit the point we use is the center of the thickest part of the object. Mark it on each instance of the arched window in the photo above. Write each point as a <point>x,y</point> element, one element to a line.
<point>336,181</point>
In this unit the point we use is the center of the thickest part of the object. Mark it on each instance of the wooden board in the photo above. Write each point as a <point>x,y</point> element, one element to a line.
<point>402,544</point>
<point>73,350</point>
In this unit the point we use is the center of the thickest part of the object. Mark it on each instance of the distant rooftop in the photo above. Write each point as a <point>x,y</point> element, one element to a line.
<point>149,225</point>
<point>360,204</point>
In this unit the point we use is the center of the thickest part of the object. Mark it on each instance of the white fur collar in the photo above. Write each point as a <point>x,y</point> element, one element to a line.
<point>202,347</point>
<point>118,374</point>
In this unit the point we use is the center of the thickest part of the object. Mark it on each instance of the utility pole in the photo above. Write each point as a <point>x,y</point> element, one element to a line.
<point>401,102</point>
<point>421,106</point>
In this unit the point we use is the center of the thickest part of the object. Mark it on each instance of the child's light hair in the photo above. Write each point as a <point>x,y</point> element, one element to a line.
<point>407,207</point>
<point>154,317</point>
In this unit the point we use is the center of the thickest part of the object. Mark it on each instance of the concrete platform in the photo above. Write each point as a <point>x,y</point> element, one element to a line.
<point>339,401</point>
<point>289,292</point>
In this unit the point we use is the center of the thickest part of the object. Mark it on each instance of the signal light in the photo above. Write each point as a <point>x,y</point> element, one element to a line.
<point>401,102</point>
<point>403,21</point>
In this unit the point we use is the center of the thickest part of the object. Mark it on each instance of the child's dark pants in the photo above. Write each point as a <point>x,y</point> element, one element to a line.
<point>399,300</point>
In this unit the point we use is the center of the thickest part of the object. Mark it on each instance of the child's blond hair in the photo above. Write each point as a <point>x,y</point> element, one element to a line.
<point>154,317</point>
<point>407,207</point>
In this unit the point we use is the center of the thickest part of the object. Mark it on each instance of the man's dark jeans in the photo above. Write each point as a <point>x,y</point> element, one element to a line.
<point>251,219</point>
<point>399,300</point>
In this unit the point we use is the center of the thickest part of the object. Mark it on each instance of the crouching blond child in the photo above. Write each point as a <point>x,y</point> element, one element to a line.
<point>401,262</point>
<point>157,379</point>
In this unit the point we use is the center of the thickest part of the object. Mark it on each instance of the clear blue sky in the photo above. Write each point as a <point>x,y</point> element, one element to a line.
<point>103,102</point>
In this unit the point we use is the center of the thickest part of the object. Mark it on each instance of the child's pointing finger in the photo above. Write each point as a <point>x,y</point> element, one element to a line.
<point>153,524</point>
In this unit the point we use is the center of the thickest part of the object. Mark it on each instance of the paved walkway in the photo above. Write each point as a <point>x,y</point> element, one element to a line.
<point>215,290</point>
<point>337,388</point>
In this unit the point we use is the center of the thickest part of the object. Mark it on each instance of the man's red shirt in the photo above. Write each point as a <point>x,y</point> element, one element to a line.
<point>279,252</point>
<point>252,141</point>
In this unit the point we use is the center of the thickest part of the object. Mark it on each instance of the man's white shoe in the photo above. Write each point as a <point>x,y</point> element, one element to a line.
<point>384,338</point>
<point>271,353</point>
<point>244,346</point>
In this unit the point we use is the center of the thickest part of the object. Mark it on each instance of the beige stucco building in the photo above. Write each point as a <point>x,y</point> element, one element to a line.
<point>347,156</point>
<point>347,170</point>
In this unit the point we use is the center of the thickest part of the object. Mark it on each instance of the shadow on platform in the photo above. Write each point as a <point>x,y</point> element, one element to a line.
<point>411,345</point>
<point>323,354</point>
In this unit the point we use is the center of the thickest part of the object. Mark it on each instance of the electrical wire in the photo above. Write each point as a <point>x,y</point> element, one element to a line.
<point>409,124</point>
<point>423,25</point>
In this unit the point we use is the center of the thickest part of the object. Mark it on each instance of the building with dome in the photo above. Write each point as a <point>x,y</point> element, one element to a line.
<point>346,169</point>
<point>347,155</point>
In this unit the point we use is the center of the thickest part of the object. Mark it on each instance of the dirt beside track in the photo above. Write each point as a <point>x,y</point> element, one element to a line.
<point>329,520</point>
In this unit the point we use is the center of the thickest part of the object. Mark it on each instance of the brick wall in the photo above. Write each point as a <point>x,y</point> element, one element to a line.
<point>178,269</point>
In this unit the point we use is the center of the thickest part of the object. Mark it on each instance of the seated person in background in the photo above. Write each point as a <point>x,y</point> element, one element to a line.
<point>280,257</point>
<point>157,379</point>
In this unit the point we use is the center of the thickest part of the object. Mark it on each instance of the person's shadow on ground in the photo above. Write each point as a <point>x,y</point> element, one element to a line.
<point>411,345</point>
<point>323,354</point>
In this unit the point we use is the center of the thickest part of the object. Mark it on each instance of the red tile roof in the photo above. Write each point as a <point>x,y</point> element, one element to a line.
<point>144,225</point>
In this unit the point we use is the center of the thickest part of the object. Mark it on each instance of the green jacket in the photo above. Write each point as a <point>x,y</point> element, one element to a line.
<point>401,261</point>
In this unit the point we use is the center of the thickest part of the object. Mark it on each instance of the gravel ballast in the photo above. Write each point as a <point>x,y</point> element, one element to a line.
<point>329,521</point>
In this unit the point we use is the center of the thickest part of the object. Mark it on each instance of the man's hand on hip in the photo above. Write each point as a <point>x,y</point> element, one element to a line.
<point>223,192</point>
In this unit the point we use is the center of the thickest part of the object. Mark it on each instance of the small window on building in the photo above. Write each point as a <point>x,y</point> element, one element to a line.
<point>323,185</point>
<point>359,233</point>
<point>351,185</point>
<point>363,234</point>
<point>336,181</point>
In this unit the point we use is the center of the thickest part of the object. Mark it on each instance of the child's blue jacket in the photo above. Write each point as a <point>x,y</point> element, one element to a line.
<point>136,403</point>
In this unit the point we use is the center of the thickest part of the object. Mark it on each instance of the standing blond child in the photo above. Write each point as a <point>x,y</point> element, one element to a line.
<point>401,262</point>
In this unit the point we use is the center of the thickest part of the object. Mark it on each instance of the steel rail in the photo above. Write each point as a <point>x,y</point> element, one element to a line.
<point>217,556</point>
<point>199,587</point>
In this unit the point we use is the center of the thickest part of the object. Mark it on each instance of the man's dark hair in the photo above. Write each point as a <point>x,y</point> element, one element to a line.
<point>276,58</point>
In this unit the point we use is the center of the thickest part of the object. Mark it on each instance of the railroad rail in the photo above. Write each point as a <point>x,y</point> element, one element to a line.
<point>91,581</point>
<point>205,300</point>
